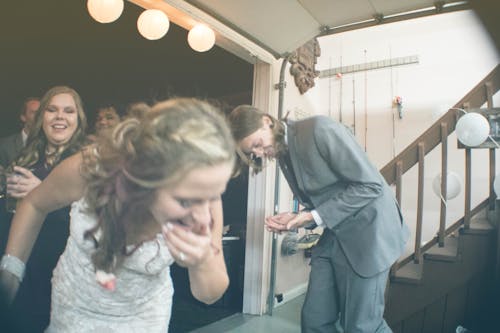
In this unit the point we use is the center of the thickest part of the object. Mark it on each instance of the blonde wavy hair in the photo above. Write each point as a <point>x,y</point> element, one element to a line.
<point>37,142</point>
<point>126,169</point>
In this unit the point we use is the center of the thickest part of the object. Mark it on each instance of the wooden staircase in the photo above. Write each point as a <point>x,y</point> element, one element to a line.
<point>448,281</point>
<point>448,287</point>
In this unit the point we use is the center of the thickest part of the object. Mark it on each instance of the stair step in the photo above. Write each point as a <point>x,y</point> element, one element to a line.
<point>410,273</point>
<point>494,216</point>
<point>448,253</point>
<point>480,214</point>
<point>478,226</point>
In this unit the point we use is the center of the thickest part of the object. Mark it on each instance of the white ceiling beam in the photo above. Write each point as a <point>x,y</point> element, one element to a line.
<point>186,16</point>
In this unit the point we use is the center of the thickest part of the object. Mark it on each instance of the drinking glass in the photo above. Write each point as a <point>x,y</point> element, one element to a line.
<point>10,202</point>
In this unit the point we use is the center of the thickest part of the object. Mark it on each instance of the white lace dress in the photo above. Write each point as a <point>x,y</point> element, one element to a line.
<point>141,301</point>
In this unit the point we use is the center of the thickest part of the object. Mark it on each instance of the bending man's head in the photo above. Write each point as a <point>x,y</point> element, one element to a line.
<point>258,135</point>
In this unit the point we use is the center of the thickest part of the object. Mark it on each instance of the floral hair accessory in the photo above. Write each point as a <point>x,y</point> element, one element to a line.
<point>106,280</point>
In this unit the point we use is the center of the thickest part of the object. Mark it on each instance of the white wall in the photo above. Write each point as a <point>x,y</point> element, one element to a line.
<point>454,53</point>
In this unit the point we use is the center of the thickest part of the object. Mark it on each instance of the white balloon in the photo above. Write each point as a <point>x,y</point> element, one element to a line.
<point>105,11</point>
<point>472,129</point>
<point>153,24</point>
<point>453,185</point>
<point>496,185</point>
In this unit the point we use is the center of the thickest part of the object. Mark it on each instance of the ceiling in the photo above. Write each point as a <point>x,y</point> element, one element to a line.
<point>281,26</point>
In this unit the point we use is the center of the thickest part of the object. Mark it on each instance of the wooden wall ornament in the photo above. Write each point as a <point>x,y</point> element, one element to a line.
<point>303,61</point>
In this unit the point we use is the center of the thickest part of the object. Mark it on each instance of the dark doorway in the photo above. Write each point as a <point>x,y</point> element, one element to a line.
<point>188,313</point>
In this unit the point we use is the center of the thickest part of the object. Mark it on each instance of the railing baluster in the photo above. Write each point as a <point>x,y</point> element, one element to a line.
<point>489,101</point>
<point>399,179</point>
<point>420,202</point>
<point>492,179</point>
<point>489,94</point>
<point>468,179</point>
<point>468,188</point>
<point>399,183</point>
<point>444,183</point>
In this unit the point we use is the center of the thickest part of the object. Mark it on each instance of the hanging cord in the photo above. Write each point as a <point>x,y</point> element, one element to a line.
<point>340,92</point>
<point>443,200</point>
<point>353,106</point>
<point>366,110</point>
<point>392,109</point>
<point>330,90</point>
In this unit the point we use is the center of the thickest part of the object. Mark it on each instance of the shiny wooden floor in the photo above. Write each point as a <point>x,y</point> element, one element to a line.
<point>285,319</point>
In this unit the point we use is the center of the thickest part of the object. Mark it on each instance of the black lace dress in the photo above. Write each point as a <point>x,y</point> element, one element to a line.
<point>30,311</point>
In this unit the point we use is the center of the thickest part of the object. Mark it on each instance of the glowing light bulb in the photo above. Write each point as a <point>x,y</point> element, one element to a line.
<point>105,11</point>
<point>153,24</point>
<point>201,38</point>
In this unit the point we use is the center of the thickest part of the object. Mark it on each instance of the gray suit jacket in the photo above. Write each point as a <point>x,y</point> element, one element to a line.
<point>10,147</point>
<point>348,192</point>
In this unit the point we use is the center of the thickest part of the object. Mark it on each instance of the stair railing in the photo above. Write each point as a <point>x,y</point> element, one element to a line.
<point>415,153</point>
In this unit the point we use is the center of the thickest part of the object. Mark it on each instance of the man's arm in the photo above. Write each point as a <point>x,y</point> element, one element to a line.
<point>350,164</point>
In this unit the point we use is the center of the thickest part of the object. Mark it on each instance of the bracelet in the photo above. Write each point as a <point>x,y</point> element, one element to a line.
<point>13,265</point>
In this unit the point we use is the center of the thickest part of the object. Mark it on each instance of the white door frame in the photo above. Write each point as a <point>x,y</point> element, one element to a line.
<point>257,252</point>
<point>260,187</point>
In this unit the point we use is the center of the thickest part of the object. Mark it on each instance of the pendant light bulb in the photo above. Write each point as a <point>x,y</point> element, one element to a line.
<point>201,38</point>
<point>153,24</point>
<point>105,11</point>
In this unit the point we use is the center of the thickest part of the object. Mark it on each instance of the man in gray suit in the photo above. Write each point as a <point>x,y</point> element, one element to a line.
<point>343,192</point>
<point>10,146</point>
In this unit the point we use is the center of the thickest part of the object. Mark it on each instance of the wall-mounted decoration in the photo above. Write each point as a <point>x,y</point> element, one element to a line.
<point>368,66</point>
<point>303,61</point>
<point>398,103</point>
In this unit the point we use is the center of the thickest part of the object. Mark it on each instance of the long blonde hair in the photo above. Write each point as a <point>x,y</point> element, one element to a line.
<point>37,142</point>
<point>127,168</point>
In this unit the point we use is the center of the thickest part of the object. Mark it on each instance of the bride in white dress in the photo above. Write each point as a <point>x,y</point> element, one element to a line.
<point>146,196</point>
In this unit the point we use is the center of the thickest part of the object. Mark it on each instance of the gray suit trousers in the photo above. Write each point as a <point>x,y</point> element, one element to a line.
<point>337,293</point>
